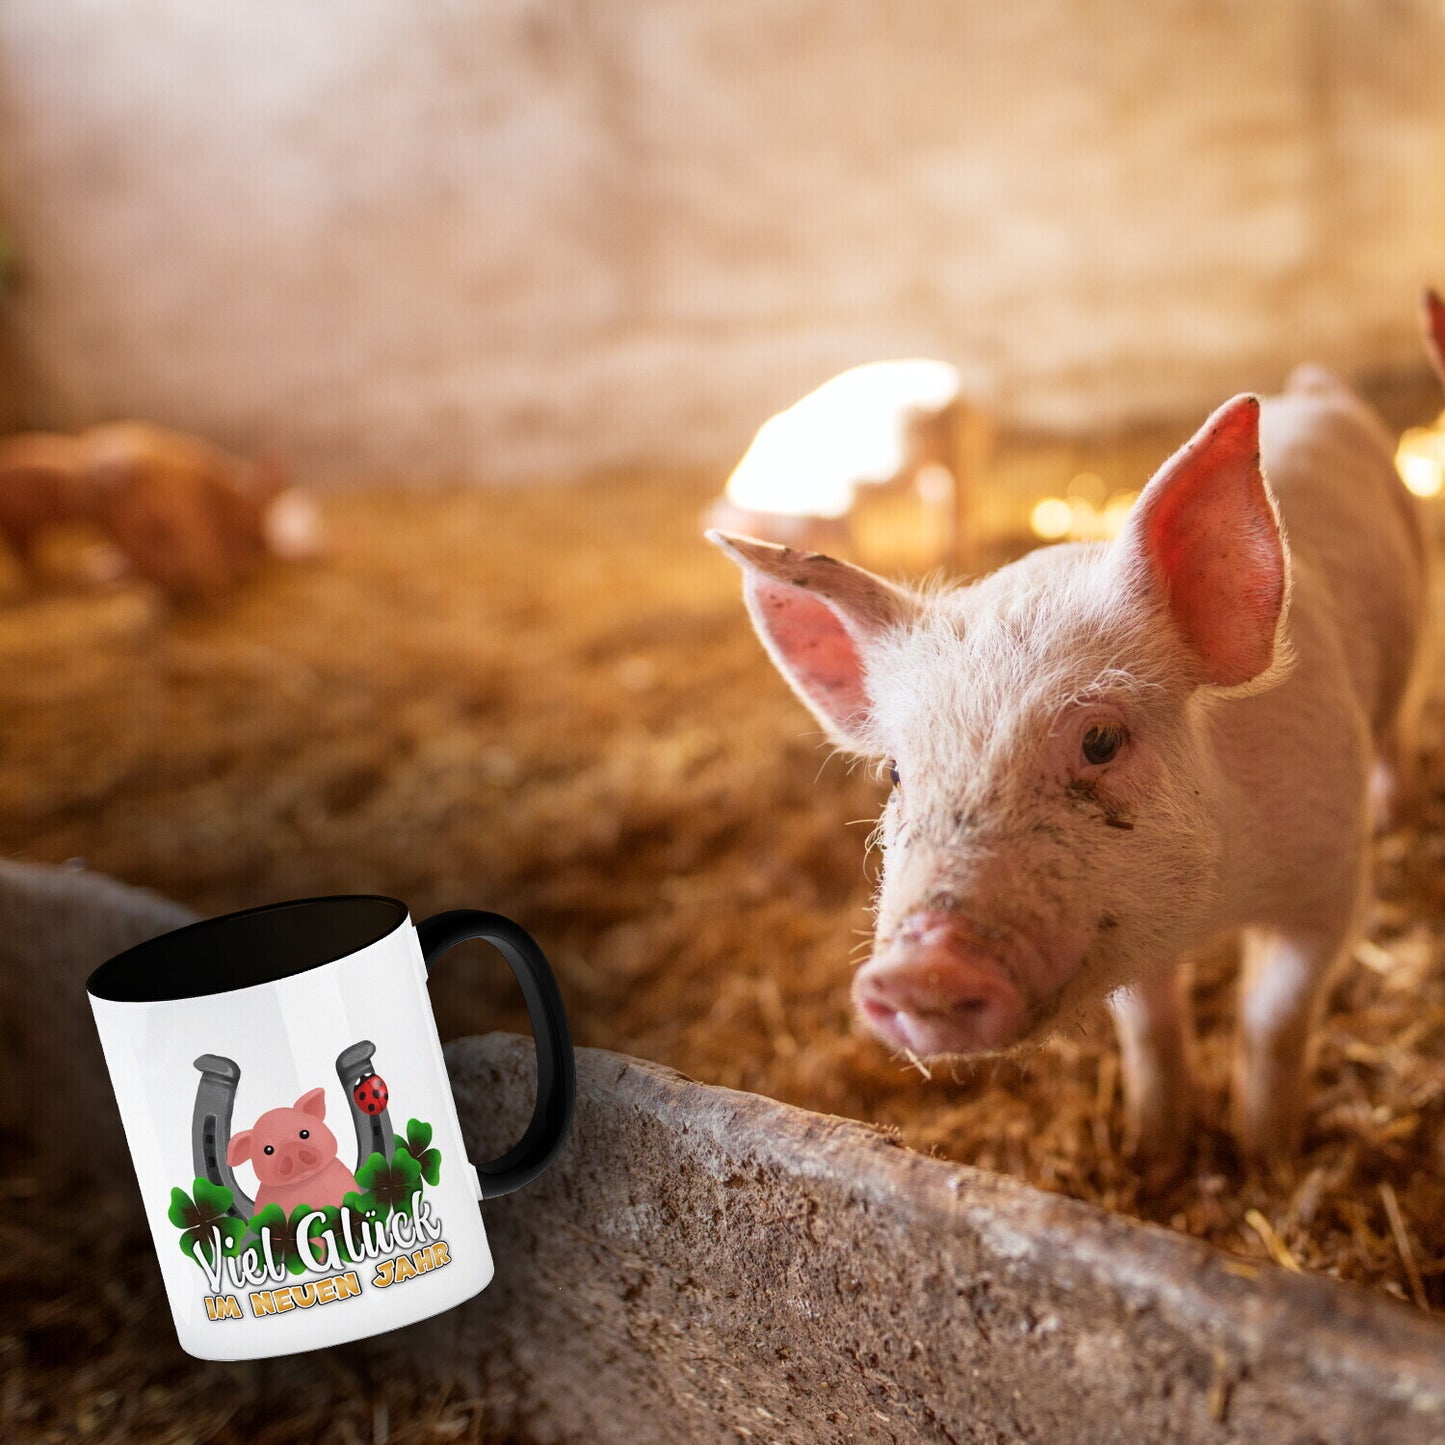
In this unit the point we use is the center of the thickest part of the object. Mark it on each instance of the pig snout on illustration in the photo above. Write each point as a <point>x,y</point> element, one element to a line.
<point>294,1156</point>
<point>1105,756</point>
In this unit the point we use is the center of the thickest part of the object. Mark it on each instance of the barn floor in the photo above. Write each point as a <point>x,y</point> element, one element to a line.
<point>548,702</point>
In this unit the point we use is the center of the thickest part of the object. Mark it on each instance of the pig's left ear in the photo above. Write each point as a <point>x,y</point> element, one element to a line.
<point>817,618</point>
<point>313,1102</point>
<point>1206,535</point>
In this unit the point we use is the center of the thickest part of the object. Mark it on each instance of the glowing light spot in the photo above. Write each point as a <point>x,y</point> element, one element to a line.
<point>1116,513</point>
<point>1088,487</point>
<point>1423,475</point>
<point>1421,458</point>
<point>1052,518</point>
<point>852,431</point>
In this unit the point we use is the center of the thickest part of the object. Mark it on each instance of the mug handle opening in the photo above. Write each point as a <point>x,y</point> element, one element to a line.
<point>556,1069</point>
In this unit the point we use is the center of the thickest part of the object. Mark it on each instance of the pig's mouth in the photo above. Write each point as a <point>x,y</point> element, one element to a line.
<point>938,989</point>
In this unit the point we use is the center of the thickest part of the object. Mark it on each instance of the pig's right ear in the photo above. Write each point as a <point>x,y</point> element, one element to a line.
<point>816,617</point>
<point>239,1148</point>
<point>1204,538</point>
<point>1432,320</point>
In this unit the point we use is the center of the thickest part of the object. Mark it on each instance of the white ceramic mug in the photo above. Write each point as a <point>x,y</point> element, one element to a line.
<point>287,1108</point>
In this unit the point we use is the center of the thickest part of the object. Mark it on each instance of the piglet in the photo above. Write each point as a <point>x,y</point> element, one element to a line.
<point>1106,756</point>
<point>294,1156</point>
<point>187,515</point>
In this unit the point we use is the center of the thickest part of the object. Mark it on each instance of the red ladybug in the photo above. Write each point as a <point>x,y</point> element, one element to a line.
<point>371,1094</point>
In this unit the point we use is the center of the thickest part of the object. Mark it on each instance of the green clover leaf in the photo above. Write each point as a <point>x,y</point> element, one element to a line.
<point>285,1235</point>
<point>331,1219</point>
<point>362,1204</point>
<point>390,1183</point>
<point>182,1211</point>
<point>216,1197</point>
<point>202,1218</point>
<point>418,1136</point>
<point>272,1217</point>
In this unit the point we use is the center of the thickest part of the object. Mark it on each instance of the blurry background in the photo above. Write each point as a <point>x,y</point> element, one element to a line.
<point>510,286</point>
<point>462,241</point>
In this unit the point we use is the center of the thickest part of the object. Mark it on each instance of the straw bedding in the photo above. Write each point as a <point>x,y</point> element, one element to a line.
<point>548,702</point>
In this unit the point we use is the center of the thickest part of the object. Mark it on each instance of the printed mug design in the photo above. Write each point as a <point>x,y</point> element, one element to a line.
<point>311,1215</point>
<point>284,1176</point>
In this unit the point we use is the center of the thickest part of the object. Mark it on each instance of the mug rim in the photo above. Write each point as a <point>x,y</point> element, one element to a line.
<point>164,969</point>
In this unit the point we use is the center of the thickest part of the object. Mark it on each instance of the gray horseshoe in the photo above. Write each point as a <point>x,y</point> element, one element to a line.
<point>216,1097</point>
<point>211,1127</point>
<point>373,1131</point>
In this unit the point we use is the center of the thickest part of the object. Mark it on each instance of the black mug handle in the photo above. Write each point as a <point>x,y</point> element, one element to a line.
<point>556,1070</point>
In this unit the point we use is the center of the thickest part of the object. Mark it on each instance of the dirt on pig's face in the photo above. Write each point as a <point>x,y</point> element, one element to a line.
<point>1044,841</point>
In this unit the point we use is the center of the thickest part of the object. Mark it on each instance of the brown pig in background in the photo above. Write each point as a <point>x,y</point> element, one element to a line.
<point>190,517</point>
<point>1106,756</point>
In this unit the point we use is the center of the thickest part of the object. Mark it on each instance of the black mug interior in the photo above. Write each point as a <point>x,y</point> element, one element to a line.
<point>242,950</point>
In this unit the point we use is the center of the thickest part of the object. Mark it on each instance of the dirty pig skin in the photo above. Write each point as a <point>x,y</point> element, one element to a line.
<point>1106,756</point>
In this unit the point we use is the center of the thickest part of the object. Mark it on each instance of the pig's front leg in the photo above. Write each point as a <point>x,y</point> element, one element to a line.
<point>1152,1019</point>
<point>1394,779</point>
<point>1281,984</point>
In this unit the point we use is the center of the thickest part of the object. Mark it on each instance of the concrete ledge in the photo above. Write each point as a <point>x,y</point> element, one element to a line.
<point>56,925</point>
<point>702,1264</point>
<point>707,1265</point>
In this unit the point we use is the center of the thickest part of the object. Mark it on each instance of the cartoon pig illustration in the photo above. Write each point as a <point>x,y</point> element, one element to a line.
<point>294,1156</point>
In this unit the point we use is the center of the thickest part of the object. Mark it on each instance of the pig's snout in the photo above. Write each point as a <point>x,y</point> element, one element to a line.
<point>304,1160</point>
<point>933,990</point>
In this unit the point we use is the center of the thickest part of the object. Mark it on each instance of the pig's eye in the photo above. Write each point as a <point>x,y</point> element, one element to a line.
<point>306,1133</point>
<point>269,1149</point>
<point>893,772</point>
<point>1102,742</point>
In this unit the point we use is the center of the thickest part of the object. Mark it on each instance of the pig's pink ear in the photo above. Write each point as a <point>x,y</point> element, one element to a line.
<point>1206,530</point>
<point>816,617</point>
<point>239,1148</point>
<point>313,1102</point>
<point>1432,316</point>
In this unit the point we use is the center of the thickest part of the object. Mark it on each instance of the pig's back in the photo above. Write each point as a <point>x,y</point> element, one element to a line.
<point>1355,535</point>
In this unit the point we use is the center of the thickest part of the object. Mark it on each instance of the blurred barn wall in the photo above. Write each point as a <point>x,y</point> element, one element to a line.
<point>513,238</point>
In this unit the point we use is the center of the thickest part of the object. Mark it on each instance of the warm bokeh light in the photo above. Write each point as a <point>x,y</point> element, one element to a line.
<point>1078,516</point>
<point>1421,458</point>
<point>1088,487</point>
<point>1116,512</point>
<point>1052,519</point>
<point>808,460</point>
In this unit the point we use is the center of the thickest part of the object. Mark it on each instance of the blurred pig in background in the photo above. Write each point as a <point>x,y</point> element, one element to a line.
<point>192,518</point>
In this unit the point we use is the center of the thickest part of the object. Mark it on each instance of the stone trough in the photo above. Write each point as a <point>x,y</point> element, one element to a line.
<point>702,1264</point>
